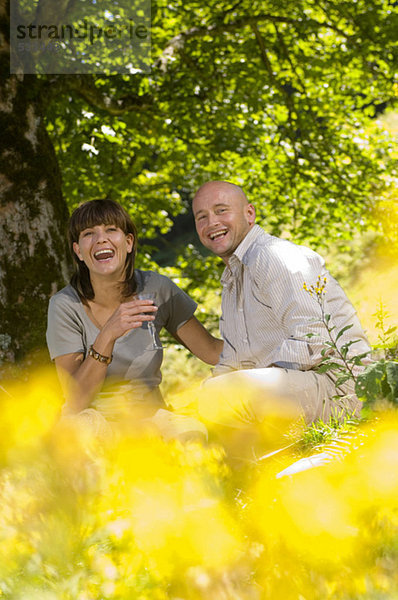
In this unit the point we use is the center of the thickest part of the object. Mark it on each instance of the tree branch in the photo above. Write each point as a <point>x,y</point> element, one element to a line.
<point>84,86</point>
<point>177,43</point>
<point>280,87</point>
<point>52,12</point>
<point>288,58</point>
<point>4,27</point>
<point>264,56</point>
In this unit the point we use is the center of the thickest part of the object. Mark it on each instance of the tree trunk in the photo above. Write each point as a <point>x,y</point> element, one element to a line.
<point>33,214</point>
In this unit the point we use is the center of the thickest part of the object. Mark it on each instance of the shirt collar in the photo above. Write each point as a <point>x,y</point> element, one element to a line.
<point>237,256</point>
<point>247,241</point>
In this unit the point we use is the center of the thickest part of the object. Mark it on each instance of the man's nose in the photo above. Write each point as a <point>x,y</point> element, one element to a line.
<point>213,219</point>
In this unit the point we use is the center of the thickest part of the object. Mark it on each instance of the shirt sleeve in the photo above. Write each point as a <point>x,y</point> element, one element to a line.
<point>305,320</point>
<point>300,312</point>
<point>177,307</point>
<point>64,328</point>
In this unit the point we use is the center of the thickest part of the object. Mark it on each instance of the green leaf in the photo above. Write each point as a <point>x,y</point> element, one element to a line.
<point>342,331</point>
<point>390,330</point>
<point>392,379</point>
<point>343,379</point>
<point>328,366</point>
<point>357,360</point>
<point>371,385</point>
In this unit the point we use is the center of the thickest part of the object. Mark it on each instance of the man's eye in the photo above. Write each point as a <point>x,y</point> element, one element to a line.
<point>87,233</point>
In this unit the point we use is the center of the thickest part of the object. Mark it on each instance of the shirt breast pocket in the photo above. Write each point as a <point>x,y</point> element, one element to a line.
<point>258,296</point>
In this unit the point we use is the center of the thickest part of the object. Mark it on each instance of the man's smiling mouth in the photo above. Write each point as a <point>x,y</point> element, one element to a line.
<point>218,234</point>
<point>104,254</point>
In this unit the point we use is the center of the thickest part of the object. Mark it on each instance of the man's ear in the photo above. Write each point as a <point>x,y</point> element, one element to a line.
<point>251,214</point>
<point>76,250</point>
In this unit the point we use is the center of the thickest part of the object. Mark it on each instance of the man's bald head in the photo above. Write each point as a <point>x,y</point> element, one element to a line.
<point>221,188</point>
<point>223,216</point>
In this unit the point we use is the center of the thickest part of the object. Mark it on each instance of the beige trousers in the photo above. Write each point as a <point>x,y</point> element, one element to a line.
<point>250,396</point>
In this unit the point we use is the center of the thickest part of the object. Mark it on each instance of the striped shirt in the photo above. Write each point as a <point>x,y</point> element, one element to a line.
<point>266,313</point>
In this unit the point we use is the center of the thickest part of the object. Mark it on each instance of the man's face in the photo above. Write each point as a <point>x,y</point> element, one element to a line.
<point>222,218</point>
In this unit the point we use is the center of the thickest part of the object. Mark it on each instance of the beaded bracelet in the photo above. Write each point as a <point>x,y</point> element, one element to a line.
<point>100,357</point>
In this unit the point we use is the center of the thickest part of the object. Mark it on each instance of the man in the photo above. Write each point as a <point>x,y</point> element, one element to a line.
<point>273,328</point>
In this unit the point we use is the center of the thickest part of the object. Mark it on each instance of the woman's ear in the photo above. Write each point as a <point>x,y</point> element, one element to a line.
<point>76,250</point>
<point>129,242</point>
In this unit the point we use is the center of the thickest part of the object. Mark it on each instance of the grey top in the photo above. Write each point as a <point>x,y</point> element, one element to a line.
<point>135,368</point>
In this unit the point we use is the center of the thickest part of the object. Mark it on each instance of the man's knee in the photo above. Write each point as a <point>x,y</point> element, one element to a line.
<point>247,396</point>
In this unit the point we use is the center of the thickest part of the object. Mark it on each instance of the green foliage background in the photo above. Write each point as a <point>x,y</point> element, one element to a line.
<point>279,98</point>
<point>274,97</point>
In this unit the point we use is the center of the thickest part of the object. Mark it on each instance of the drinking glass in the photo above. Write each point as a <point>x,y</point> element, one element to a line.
<point>151,326</point>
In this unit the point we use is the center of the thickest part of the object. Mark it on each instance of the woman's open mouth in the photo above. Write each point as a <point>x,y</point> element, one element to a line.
<point>104,254</point>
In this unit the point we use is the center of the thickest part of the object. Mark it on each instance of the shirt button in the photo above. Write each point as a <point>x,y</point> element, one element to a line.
<point>245,340</point>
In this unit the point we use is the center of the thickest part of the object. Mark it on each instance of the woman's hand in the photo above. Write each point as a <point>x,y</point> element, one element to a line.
<point>82,377</point>
<point>129,315</point>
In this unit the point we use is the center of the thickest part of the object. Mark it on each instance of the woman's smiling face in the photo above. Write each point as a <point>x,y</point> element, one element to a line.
<point>104,249</point>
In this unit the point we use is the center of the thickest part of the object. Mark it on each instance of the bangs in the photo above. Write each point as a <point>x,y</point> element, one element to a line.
<point>91,214</point>
<point>98,212</point>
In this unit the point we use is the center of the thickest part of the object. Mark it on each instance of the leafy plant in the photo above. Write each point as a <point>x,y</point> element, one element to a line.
<point>387,338</point>
<point>335,357</point>
<point>379,380</point>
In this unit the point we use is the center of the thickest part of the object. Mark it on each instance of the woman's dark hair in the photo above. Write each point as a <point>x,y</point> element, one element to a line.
<point>90,214</point>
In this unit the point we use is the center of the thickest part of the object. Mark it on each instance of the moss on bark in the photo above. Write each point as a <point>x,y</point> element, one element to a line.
<point>33,215</point>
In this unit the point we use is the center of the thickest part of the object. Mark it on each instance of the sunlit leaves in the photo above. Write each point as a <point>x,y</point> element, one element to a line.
<point>279,102</point>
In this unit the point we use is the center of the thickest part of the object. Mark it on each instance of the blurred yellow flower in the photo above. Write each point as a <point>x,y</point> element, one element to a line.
<point>138,518</point>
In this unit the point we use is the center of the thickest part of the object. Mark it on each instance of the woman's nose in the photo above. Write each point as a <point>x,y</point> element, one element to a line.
<point>100,235</point>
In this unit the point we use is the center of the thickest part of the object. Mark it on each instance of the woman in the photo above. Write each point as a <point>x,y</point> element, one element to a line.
<point>98,332</point>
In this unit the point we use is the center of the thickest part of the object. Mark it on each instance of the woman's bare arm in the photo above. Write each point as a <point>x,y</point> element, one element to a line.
<point>82,378</point>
